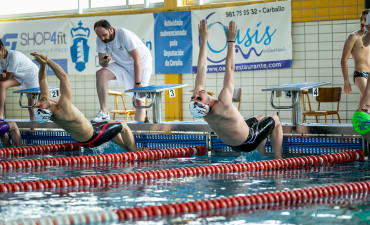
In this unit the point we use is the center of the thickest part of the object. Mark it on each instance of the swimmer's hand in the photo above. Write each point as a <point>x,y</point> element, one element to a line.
<point>42,59</point>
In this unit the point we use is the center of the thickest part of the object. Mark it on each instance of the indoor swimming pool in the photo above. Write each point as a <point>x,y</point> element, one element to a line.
<point>159,181</point>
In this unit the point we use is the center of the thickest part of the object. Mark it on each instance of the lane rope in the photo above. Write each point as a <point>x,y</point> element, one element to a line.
<point>84,182</point>
<point>267,200</point>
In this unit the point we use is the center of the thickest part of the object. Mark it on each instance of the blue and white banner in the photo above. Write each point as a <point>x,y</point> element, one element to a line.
<point>263,40</point>
<point>173,42</point>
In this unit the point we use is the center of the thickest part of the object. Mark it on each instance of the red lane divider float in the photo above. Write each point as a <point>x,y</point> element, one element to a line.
<point>105,158</point>
<point>109,179</point>
<point>38,149</point>
<point>268,200</point>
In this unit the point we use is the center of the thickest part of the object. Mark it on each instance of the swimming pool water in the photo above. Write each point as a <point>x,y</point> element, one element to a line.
<point>354,210</point>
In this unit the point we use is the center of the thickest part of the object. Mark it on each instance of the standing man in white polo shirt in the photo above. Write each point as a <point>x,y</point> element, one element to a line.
<point>132,65</point>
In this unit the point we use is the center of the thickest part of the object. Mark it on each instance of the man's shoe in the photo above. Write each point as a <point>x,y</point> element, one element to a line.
<point>101,117</point>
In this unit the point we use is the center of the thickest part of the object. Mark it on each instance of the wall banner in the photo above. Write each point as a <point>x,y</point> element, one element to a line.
<point>263,40</point>
<point>71,42</point>
<point>173,42</point>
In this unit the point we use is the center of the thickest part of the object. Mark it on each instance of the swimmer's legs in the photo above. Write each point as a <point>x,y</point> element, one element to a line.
<point>261,148</point>
<point>15,133</point>
<point>125,139</point>
<point>361,83</point>
<point>5,140</point>
<point>16,136</point>
<point>276,137</point>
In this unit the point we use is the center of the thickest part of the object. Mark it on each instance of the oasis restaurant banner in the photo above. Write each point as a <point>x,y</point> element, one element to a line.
<point>71,42</point>
<point>263,40</point>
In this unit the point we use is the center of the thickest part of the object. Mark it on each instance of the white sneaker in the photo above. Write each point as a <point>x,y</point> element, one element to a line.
<point>101,117</point>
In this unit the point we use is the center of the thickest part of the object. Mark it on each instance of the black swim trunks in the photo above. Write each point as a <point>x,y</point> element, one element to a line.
<point>103,132</point>
<point>258,131</point>
<point>360,74</point>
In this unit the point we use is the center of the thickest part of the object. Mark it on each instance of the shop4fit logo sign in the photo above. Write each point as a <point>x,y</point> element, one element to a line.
<point>80,49</point>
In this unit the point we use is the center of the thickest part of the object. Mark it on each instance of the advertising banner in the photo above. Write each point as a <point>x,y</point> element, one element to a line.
<point>173,42</point>
<point>71,42</point>
<point>263,40</point>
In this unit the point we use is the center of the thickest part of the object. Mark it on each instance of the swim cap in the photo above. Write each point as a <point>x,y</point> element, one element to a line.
<point>198,109</point>
<point>4,127</point>
<point>42,115</point>
<point>361,122</point>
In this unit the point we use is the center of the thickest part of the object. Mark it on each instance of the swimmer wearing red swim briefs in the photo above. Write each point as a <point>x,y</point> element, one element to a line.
<point>221,115</point>
<point>68,117</point>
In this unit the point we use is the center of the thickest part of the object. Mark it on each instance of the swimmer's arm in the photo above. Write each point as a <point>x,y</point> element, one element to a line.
<point>227,91</point>
<point>103,59</point>
<point>44,87</point>
<point>65,98</point>
<point>347,49</point>
<point>202,58</point>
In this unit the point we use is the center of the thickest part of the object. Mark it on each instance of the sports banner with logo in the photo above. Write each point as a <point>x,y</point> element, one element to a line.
<point>71,42</point>
<point>263,40</point>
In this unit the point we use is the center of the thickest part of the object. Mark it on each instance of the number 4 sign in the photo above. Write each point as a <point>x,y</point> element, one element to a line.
<point>288,94</point>
<point>315,92</point>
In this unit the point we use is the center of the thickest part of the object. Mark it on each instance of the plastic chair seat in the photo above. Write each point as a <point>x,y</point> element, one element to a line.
<point>118,111</point>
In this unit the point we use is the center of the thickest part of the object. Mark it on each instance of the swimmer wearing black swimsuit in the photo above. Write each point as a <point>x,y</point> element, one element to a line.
<point>258,131</point>
<point>103,132</point>
<point>360,74</point>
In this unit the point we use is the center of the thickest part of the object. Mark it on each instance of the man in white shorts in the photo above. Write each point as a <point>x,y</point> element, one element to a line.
<point>16,69</point>
<point>132,65</point>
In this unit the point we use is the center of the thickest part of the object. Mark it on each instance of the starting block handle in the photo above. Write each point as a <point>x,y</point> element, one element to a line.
<point>295,100</point>
<point>37,95</point>
<point>153,96</point>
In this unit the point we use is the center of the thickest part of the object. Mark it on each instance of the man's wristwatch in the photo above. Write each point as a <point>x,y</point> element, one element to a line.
<point>137,83</point>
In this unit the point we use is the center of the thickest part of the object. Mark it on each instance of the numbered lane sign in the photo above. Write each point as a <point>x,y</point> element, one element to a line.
<point>315,92</point>
<point>34,95</point>
<point>54,94</point>
<point>172,93</point>
<point>288,94</point>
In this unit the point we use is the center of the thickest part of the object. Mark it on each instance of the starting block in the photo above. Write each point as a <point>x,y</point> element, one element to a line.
<point>36,94</point>
<point>155,93</point>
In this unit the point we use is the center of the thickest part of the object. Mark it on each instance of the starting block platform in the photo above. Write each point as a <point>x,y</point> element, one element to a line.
<point>35,94</point>
<point>154,92</point>
<point>295,91</point>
